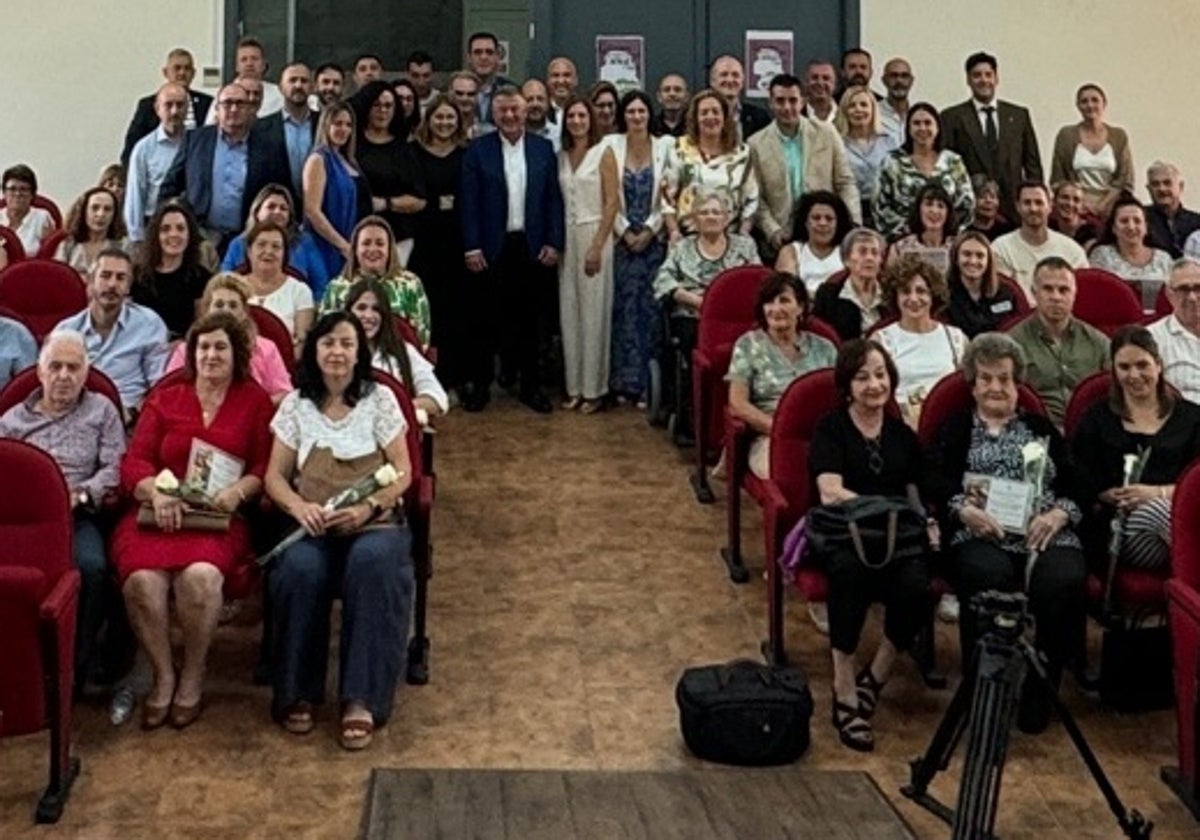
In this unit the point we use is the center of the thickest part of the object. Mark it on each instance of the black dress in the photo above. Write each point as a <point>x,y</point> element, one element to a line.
<point>391,170</point>
<point>172,295</point>
<point>438,257</point>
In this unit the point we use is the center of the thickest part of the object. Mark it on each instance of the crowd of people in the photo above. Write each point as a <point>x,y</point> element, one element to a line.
<point>550,236</point>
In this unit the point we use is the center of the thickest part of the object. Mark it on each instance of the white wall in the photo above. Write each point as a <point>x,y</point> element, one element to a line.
<point>73,72</point>
<point>1144,54</point>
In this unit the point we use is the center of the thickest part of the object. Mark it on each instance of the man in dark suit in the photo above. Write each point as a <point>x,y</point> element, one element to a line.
<point>295,126</point>
<point>222,167</point>
<point>179,69</point>
<point>512,225</point>
<point>995,138</point>
<point>727,78</point>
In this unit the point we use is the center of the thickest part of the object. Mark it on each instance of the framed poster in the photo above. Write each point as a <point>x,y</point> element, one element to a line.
<point>502,58</point>
<point>621,60</point>
<point>768,53</point>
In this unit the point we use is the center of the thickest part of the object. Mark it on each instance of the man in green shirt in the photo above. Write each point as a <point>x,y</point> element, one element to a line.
<point>1061,350</point>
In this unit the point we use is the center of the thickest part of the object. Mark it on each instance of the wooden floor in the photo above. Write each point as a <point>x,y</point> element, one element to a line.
<point>575,578</point>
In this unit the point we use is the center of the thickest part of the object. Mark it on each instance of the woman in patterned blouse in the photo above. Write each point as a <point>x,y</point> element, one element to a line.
<point>919,161</point>
<point>708,156</point>
<point>766,360</point>
<point>1046,560</point>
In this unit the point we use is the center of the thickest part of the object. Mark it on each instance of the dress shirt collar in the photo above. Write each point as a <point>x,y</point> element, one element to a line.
<point>31,405</point>
<point>121,322</point>
<point>161,136</point>
<point>979,106</point>
<point>783,135</point>
<point>1177,330</point>
<point>1044,334</point>
<point>519,143</point>
<point>230,142</point>
<point>288,118</point>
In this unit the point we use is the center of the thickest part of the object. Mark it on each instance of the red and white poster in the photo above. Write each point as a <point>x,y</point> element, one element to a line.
<point>768,53</point>
<point>621,60</point>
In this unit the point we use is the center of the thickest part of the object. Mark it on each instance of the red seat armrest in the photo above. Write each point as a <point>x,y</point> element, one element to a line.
<point>1184,597</point>
<point>62,598</point>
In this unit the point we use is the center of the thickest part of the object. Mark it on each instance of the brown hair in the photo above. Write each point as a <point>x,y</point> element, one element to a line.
<point>239,340</point>
<point>593,135</point>
<point>850,359</point>
<point>76,226</point>
<point>728,131</point>
<point>991,281</point>
<point>258,230</point>
<point>424,132</point>
<point>897,277</point>
<point>1135,335</point>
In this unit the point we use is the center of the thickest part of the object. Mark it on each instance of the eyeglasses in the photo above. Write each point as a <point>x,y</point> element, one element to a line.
<point>1185,290</point>
<point>234,103</point>
<point>17,189</point>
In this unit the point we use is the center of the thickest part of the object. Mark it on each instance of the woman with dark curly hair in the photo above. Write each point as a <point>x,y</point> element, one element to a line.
<point>822,221</point>
<point>169,275</point>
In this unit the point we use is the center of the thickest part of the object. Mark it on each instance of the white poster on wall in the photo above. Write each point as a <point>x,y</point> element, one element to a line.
<point>502,58</point>
<point>768,53</point>
<point>621,60</point>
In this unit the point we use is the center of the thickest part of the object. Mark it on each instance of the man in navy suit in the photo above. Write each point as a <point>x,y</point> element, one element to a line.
<point>222,167</point>
<point>512,224</point>
<point>180,69</point>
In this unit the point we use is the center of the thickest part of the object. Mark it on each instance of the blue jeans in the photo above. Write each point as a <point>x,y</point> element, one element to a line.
<point>95,592</point>
<point>372,572</point>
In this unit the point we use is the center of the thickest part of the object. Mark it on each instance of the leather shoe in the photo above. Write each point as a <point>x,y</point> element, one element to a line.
<point>154,716</point>
<point>537,401</point>
<point>184,716</point>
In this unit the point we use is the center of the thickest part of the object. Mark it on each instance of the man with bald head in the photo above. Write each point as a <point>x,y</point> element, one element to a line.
<point>221,167</point>
<point>672,96</point>
<point>180,69</point>
<point>727,77</point>
<point>152,157</point>
<point>537,113</point>
<point>562,80</point>
<point>893,109</point>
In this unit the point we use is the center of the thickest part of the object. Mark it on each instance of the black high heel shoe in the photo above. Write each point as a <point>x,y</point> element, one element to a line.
<point>853,729</point>
<point>868,689</point>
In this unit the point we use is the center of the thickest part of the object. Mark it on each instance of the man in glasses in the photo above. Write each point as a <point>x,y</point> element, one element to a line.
<point>222,167</point>
<point>180,69</point>
<point>1178,334</point>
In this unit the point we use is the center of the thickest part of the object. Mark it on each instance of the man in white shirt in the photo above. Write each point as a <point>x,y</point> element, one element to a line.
<point>152,157</point>
<point>893,108</point>
<point>1019,252</point>
<point>1178,334</point>
<point>537,113</point>
<point>562,80</point>
<point>820,79</point>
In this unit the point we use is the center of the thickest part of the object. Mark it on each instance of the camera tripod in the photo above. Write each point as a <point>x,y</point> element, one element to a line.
<point>984,703</point>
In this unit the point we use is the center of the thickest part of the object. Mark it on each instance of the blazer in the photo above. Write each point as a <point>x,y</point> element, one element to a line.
<point>1062,163</point>
<point>190,175</point>
<point>145,120</point>
<point>272,127</point>
<point>483,199</point>
<point>1017,158</point>
<point>753,118</point>
<point>660,148</point>
<point>826,167</point>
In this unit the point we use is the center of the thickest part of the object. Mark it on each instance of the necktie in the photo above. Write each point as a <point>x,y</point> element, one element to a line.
<point>991,135</point>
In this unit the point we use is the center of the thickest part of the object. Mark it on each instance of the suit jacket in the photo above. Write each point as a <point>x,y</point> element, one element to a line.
<point>483,199</point>
<point>1017,158</point>
<point>826,167</point>
<point>753,119</point>
<point>190,175</point>
<point>660,149</point>
<point>272,127</point>
<point>145,120</point>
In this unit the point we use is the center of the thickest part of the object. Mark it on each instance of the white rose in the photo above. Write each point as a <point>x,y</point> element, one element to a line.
<point>166,482</point>
<point>386,475</point>
<point>1033,452</point>
<point>1130,466</point>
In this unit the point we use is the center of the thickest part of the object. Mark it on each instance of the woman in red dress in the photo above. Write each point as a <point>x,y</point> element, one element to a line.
<point>218,403</point>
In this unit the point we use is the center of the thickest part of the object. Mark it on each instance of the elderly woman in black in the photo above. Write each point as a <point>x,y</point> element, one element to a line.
<point>1040,555</point>
<point>860,449</point>
<point>1141,417</point>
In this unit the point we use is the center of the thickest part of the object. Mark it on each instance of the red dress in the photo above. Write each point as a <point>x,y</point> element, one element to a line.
<point>162,439</point>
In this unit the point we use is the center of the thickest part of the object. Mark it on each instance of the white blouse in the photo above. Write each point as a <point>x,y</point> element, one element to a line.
<point>814,270</point>
<point>425,381</point>
<point>921,358</point>
<point>290,298</point>
<point>372,424</point>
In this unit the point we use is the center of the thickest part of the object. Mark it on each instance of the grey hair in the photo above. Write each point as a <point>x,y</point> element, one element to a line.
<point>63,337</point>
<point>1185,262</point>
<point>857,235</point>
<point>703,195</point>
<point>1164,166</point>
<point>991,347</point>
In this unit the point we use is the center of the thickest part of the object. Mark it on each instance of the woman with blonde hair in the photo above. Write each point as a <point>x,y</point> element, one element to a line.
<point>867,144</point>
<point>332,181</point>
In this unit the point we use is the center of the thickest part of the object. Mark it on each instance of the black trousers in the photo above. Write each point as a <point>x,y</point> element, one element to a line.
<point>508,310</point>
<point>1057,595</point>
<point>902,586</point>
<point>677,358</point>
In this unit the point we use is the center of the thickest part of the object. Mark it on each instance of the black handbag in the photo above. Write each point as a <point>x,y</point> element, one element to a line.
<point>879,529</point>
<point>745,713</point>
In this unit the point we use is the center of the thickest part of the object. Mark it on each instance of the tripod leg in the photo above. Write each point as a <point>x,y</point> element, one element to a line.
<point>941,747</point>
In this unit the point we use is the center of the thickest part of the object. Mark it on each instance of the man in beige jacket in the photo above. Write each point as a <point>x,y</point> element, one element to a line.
<point>792,156</point>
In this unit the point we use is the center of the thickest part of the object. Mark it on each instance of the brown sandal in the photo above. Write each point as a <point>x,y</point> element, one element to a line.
<point>299,719</point>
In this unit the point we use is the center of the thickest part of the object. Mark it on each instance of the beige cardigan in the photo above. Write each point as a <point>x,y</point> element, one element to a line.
<point>1062,166</point>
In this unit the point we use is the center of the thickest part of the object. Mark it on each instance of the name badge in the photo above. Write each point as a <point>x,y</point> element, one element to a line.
<point>1002,306</point>
<point>446,202</point>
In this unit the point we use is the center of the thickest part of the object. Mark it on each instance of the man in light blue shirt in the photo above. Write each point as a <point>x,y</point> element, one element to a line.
<point>231,156</point>
<point>152,157</point>
<point>125,340</point>
<point>18,349</point>
<point>296,124</point>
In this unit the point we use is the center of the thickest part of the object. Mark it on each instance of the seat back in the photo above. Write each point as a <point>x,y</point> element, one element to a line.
<point>1087,393</point>
<point>26,382</point>
<point>274,330</point>
<point>50,244</point>
<point>44,291</point>
<point>818,327</point>
<point>951,395</point>
<point>809,398</point>
<point>35,554</point>
<point>43,203</point>
<point>412,435</point>
<point>1105,301</point>
<point>13,247</point>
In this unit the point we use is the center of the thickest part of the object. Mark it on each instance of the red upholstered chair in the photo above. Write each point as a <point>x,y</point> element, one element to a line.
<point>50,244</point>
<point>274,330</point>
<point>1088,391</point>
<point>788,494</point>
<point>738,437</point>
<point>1105,301</point>
<point>1183,610</point>
<point>43,203</point>
<point>409,333</point>
<point>26,382</point>
<point>13,248</point>
<point>418,508</point>
<point>1020,299</point>
<point>44,291</point>
<point>39,597</point>
<point>726,312</point>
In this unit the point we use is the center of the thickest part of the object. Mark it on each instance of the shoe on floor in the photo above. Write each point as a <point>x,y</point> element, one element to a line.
<point>819,613</point>
<point>537,401</point>
<point>947,609</point>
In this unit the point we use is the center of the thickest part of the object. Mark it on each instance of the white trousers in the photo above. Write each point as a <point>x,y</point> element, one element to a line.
<point>585,312</point>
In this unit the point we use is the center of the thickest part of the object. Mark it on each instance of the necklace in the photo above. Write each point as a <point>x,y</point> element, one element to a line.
<point>874,454</point>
